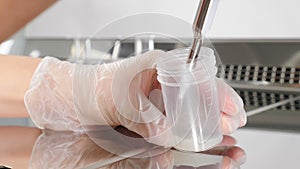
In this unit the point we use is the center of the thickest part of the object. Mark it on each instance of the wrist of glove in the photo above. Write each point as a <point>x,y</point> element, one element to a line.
<point>49,100</point>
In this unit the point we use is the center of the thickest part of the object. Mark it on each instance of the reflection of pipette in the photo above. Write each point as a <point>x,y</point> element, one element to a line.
<point>203,20</point>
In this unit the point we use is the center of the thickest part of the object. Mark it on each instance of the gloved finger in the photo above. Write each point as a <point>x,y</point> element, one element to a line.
<point>230,102</point>
<point>156,98</point>
<point>131,85</point>
<point>231,123</point>
<point>148,120</point>
<point>136,112</point>
<point>233,114</point>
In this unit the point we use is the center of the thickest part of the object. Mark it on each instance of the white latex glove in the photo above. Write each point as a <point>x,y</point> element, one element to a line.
<point>111,94</point>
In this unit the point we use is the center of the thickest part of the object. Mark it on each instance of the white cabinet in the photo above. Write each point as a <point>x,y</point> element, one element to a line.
<point>235,19</point>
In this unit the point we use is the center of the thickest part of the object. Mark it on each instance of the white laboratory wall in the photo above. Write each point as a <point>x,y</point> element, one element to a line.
<point>81,18</point>
<point>257,19</point>
<point>235,19</point>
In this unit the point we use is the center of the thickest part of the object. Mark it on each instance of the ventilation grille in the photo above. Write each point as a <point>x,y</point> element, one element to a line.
<point>260,99</point>
<point>272,75</point>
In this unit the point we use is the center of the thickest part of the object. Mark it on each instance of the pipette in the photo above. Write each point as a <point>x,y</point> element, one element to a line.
<point>203,20</point>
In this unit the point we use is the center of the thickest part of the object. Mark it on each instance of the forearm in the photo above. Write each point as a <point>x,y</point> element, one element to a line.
<point>15,76</point>
<point>14,14</point>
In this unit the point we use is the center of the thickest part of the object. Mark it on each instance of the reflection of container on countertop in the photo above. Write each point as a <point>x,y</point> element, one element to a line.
<point>196,160</point>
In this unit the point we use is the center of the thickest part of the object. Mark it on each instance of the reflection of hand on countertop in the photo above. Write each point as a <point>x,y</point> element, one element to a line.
<point>75,150</point>
<point>65,150</point>
<point>224,156</point>
<point>233,156</point>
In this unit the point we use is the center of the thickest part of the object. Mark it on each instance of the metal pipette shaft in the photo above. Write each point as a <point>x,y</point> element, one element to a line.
<point>197,28</point>
<point>203,20</point>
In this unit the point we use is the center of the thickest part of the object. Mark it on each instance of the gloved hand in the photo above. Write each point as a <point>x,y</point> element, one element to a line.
<point>108,94</point>
<point>111,94</point>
